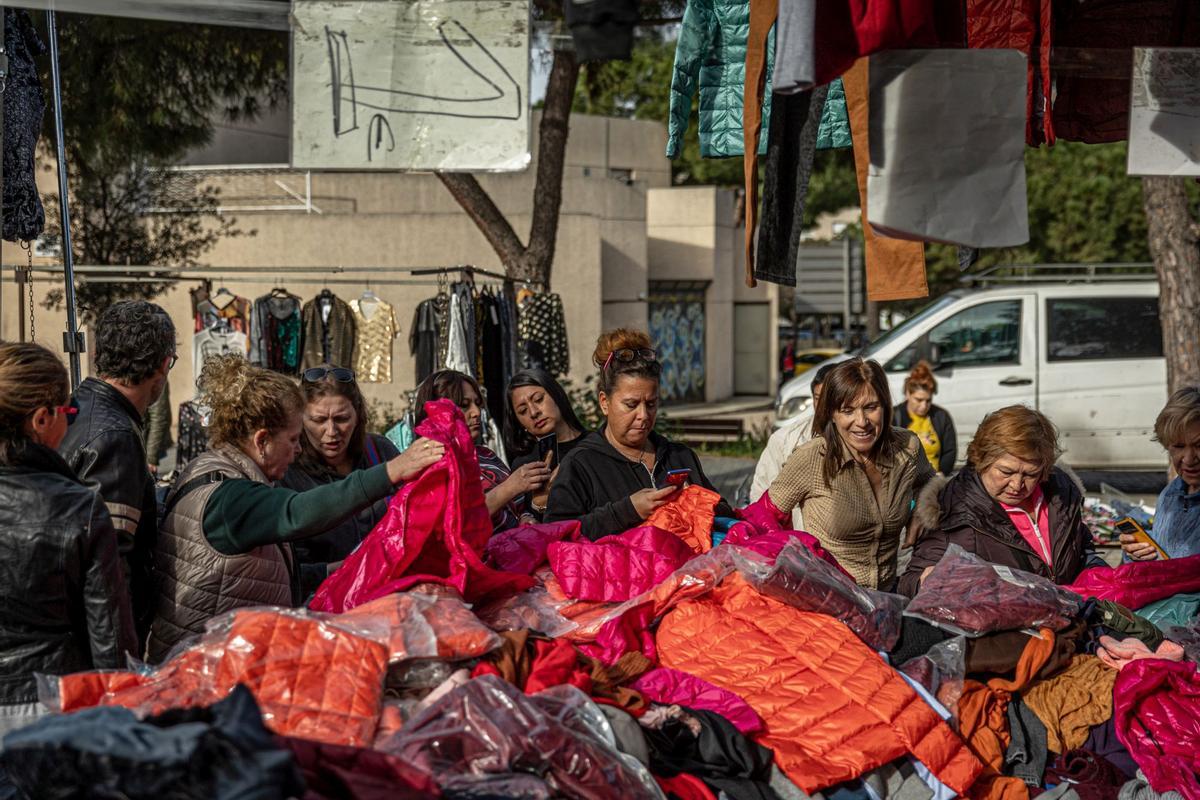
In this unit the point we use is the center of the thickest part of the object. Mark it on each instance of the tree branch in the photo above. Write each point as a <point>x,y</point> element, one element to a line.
<point>552,152</point>
<point>486,216</point>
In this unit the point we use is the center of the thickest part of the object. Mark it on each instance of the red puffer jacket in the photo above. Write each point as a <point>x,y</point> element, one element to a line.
<point>1156,707</point>
<point>832,708</point>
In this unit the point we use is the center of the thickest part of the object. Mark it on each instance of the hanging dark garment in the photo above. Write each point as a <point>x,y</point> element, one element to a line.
<point>275,332</point>
<point>492,355</point>
<point>424,338</point>
<point>466,304</point>
<point>791,144</point>
<point>601,29</point>
<point>329,332</point>
<point>193,435</point>
<point>510,319</point>
<point>24,104</point>
<point>544,334</point>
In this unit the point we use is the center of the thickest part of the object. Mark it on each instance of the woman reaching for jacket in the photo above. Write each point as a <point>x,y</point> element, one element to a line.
<point>617,476</point>
<point>1009,505</point>
<point>856,481</point>
<point>63,602</point>
<point>505,491</point>
<point>225,538</point>
<point>539,425</point>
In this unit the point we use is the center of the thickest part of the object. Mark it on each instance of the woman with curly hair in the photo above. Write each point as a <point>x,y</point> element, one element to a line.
<point>226,532</point>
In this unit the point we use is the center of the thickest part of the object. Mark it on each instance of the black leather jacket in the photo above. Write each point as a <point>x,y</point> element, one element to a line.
<point>63,604</point>
<point>105,449</point>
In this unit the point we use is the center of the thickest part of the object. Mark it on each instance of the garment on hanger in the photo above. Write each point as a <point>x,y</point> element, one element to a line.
<point>193,433</point>
<point>494,369</point>
<point>544,334</point>
<point>424,338</point>
<point>24,104</point>
<point>276,332</point>
<point>217,341</point>
<point>510,319</point>
<point>466,303</point>
<point>222,306</point>
<point>375,324</point>
<point>329,331</point>
<point>458,357</point>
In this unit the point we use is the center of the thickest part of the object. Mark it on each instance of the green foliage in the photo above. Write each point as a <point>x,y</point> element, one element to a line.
<point>137,95</point>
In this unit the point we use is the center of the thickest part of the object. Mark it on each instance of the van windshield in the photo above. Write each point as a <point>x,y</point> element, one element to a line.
<point>916,319</point>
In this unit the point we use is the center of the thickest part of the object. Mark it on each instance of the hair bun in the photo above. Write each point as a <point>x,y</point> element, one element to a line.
<point>619,339</point>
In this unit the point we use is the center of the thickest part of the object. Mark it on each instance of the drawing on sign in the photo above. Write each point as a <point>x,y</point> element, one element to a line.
<point>411,84</point>
<point>490,104</point>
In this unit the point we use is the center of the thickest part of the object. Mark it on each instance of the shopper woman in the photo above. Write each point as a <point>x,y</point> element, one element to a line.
<point>538,410</point>
<point>1009,504</point>
<point>504,490</point>
<point>225,537</point>
<point>856,481</point>
<point>64,606</point>
<point>1177,515</point>
<point>334,444</point>
<point>616,476</point>
<point>932,424</point>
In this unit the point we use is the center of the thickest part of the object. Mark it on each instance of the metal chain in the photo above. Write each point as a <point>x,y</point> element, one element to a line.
<point>28,248</point>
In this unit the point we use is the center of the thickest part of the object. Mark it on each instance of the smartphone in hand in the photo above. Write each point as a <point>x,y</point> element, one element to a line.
<point>548,444</point>
<point>678,477</point>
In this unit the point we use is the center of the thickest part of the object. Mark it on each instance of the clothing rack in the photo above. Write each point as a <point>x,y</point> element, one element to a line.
<point>144,274</point>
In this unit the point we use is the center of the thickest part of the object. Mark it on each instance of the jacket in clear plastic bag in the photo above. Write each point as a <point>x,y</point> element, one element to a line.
<point>312,677</point>
<point>967,595</point>
<point>805,581</point>
<point>487,731</point>
<point>435,530</point>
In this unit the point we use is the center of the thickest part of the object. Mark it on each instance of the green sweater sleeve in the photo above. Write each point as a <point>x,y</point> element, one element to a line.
<point>244,514</point>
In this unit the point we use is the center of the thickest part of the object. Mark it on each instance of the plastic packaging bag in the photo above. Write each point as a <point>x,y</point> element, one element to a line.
<point>487,729</point>
<point>941,671</point>
<point>965,594</point>
<point>533,610</point>
<point>809,583</point>
<point>420,625</point>
<point>312,678</point>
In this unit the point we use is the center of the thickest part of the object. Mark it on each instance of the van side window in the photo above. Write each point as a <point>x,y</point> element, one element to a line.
<point>982,335</point>
<point>1102,328</point>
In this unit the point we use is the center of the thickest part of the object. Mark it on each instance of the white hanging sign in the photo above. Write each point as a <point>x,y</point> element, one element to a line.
<point>1164,112</point>
<point>410,85</point>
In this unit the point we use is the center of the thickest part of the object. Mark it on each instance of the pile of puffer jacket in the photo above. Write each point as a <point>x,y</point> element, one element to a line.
<point>692,657</point>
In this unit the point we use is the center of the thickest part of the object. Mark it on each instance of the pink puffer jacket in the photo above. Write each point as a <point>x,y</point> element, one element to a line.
<point>672,687</point>
<point>1156,709</point>
<point>1140,583</point>
<point>618,567</point>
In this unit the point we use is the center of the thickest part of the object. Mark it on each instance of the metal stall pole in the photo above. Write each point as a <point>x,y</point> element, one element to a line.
<point>72,340</point>
<point>3,85</point>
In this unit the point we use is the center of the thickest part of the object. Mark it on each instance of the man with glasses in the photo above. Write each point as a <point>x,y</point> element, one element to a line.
<point>134,352</point>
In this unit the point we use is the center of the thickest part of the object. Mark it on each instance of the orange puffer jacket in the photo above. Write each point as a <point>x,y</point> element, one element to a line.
<point>833,709</point>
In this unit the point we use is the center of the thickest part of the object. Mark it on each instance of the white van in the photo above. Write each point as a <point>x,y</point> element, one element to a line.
<point>1088,355</point>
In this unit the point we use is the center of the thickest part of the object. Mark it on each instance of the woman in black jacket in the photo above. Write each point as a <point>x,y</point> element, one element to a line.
<point>63,601</point>
<point>931,424</point>
<point>617,476</point>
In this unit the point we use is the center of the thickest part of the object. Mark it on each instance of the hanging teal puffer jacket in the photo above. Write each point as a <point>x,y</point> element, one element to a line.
<point>712,49</point>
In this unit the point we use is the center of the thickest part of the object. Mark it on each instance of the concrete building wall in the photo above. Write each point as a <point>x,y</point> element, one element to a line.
<point>622,226</point>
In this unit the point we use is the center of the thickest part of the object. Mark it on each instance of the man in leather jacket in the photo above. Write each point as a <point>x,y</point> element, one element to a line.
<point>135,349</point>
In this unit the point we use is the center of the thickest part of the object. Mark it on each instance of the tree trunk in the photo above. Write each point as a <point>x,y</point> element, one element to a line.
<point>1174,238</point>
<point>532,261</point>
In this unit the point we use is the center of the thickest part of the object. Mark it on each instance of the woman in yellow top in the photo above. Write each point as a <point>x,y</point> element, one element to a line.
<point>857,481</point>
<point>931,424</point>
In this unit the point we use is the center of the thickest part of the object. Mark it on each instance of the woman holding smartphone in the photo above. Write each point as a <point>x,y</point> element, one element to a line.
<point>617,476</point>
<point>539,425</point>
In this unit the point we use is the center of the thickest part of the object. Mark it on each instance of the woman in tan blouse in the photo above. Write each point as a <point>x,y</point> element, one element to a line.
<point>856,481</point>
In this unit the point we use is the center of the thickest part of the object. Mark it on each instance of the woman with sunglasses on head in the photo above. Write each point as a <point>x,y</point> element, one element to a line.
<point>617,476</point>
<point>539,425</point>
<point>225,539</point>
<point>504,490</point>
<point>334,444</point>
<point>64,606</point>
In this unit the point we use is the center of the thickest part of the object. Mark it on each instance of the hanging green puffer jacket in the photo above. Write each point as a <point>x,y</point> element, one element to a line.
<point>712,49</point>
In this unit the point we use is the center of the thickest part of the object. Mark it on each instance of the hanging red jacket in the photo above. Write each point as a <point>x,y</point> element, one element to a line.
<point>435,530</point>
<point>1024,25</point>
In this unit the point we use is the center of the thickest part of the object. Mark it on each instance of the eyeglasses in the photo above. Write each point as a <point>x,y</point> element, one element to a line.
<point>339,374</point>
<point>171,361</point>
<point>626,355</point>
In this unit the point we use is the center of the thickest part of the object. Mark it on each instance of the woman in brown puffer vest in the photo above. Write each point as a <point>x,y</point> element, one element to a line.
<point>224,540</point>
